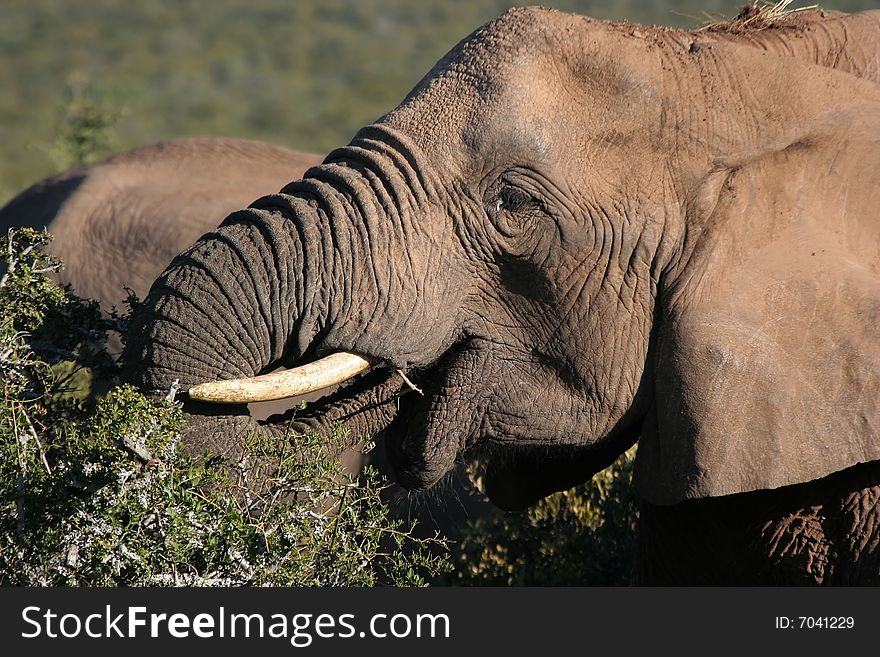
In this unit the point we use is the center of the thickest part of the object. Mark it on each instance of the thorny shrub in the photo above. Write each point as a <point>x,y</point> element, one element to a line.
<point>100,493</point>
<point>583,536</point>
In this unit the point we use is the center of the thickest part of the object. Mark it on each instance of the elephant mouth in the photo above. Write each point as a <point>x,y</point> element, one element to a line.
<point>431,415</point>
<point>438,425</point>
<point>418,458</point>
<point>434,414</point>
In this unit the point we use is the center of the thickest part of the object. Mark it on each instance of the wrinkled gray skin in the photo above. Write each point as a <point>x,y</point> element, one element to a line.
<point>574,233</point>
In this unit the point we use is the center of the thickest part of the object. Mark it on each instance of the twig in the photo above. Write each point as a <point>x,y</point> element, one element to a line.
<point>140,450</point>
<point>10,256</point>
<point>411,385</point>
<point>19,503</point>
<point>173,390</point>
<point>22,469</point>
<point>15,259</point>
<point>36,438</point>
<point>246,486</point>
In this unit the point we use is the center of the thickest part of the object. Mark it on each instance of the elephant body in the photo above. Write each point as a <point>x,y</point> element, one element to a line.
<point>571,235</point>
<point>118,222</point>
<point>825,532</point>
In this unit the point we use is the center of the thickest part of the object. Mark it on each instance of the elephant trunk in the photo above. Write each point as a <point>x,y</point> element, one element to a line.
<point>246,298</point>
<point>221,309</point>
<point>345,260</point>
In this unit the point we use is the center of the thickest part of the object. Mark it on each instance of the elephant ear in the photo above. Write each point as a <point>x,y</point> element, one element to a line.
<point>767,366</point>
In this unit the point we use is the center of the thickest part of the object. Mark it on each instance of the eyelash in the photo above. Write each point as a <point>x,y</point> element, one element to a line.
<point>520,202</point>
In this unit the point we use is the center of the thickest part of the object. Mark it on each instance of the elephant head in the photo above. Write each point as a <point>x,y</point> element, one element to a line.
<point>570,234</point>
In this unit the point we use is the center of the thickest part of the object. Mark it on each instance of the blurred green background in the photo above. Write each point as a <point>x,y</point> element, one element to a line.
<point>300,73</point>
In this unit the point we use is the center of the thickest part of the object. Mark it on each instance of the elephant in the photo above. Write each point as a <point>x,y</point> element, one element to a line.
<point>120,221</point>
<point>570,236</point>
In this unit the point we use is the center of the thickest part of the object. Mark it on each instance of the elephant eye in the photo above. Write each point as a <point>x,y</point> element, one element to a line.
<point>510,198</point>
<point>514,199</point>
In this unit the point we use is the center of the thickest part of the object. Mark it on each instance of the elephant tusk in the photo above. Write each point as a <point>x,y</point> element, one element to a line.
<point>325,372</point>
